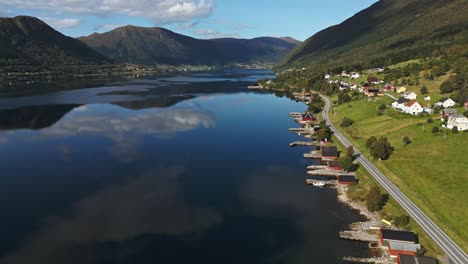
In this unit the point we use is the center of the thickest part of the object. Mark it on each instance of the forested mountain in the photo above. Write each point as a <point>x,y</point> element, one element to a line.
<point>29,41</point>
<point>153,45</point>
<point>389,31</point>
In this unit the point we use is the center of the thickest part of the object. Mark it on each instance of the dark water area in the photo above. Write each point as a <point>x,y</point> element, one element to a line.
<point>187,168</point>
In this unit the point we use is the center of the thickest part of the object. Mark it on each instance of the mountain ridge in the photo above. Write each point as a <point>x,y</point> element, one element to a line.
<point>26,40</point>
<point>387,32</point>
<point>153,45</point>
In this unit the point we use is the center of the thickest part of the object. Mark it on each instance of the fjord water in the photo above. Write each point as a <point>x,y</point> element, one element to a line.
<point>186,168</point>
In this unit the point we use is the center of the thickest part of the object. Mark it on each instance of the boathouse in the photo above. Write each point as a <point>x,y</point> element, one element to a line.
<point>329,152</point>
<point>403,259</point>
<point>307,117</point>
<point>334,165</point>
<point>347,179</point>
<point>387,235</point>
<point>398,248</point>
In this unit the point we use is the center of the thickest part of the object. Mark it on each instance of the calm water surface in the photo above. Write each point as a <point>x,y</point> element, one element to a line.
<point>183,169</point>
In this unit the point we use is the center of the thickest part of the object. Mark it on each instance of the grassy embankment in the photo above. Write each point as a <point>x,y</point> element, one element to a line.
<point>431,171</point>
<point>391,209</point>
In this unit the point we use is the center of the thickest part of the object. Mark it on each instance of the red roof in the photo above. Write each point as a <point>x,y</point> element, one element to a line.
<point>412,102</point>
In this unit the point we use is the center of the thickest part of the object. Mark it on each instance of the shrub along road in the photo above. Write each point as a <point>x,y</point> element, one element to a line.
<point>453,251</point>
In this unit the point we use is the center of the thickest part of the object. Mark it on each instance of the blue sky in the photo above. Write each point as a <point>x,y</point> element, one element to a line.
<point>299,19</point>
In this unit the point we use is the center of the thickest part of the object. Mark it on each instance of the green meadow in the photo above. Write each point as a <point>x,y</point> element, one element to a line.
<point>432,170</point>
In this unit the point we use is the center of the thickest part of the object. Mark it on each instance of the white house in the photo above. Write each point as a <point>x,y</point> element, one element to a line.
<point>413,108</point>
<point>327,76</point>
<point>460,121</point>
<point>355,75</point>
<point>345,74</point>
<point>400,104</point>
<point>428,110</point>
<point>410,95</point>
<point>353,87</point>
<point>446,103</point>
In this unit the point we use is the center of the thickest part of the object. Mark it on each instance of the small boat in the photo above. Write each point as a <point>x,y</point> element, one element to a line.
<point>318,184</point>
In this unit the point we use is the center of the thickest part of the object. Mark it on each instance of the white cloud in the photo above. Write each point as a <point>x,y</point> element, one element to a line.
<point>159,11</point>
<point>187,25</point>
<point>208,33</point>
<point>58,23</point>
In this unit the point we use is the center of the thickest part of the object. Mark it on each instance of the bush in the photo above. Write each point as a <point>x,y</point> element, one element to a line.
<point>346,122</point>
<point>401,221</point>
<point>424,90</point>
<point>406,140</point>
<point>430,120</point>
<point>374,199</point>
<point>455,130</point>
<point>382,107</point>
<point>435,129</point>
<point>465,113</point>
<point>446,87</point>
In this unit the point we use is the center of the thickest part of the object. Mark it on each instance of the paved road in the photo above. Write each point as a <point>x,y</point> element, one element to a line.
<point>453,251</point>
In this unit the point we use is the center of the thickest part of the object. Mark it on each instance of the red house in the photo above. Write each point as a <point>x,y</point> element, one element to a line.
<point>307,117</point>
<point>399,248</point>
<point>334,165</point>
<point>387,236</point>
<point>347,180</point>
<point>389,87</point>
<point>329,152</point>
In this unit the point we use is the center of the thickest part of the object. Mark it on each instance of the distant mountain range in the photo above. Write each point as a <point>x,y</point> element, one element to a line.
<point>141,45</point>
<point>29,41</point>
<point>389,31</point>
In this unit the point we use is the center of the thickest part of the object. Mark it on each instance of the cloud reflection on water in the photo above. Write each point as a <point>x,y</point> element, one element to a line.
<point>152,204</point>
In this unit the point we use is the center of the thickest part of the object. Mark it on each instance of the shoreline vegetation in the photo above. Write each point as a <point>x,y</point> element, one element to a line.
<point>14,74</point>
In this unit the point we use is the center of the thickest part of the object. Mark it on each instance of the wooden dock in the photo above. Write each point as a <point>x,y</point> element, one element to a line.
<point>316,167</point>
<point>304,144</point>
<point>327,183</point>
<point>325,172</point>
<point>315,154</point>
<point>359,236</point>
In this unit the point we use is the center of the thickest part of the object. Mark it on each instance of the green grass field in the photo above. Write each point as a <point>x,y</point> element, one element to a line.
<point>432,170</point>
<point>390,210</point>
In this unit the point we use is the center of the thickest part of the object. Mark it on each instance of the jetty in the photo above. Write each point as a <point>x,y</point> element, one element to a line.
<point>359,235</point>
<point>315,154</point>
<point>255,87</point>
<point>316,167</point>
<point>295,114</point>
<point>304,144</point>
<point>327,183</point>
<point>327,172</point>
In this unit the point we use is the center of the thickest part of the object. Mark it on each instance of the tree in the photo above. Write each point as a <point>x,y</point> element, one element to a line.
<point>374,199</point>
<point>446,87</point>
<point>465,113</point>
<point>346,122</point>
<point>401,221</point>
<point>370,142</point>
<point>435,130</point>
<point>380,149</point>
<point>424,90</point>
<point>350,152</point>
<point>455,130</point>
<point>430,120</point>
<point>382,107</point>
<point>406,140</point>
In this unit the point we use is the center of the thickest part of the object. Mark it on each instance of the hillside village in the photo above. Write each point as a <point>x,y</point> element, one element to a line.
<point>405,101</point>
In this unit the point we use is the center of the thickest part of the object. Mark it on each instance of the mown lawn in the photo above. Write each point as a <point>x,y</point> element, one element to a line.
<point>432,170</point>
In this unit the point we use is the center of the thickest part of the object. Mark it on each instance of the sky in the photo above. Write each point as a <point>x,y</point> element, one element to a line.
<point>204,19</point>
